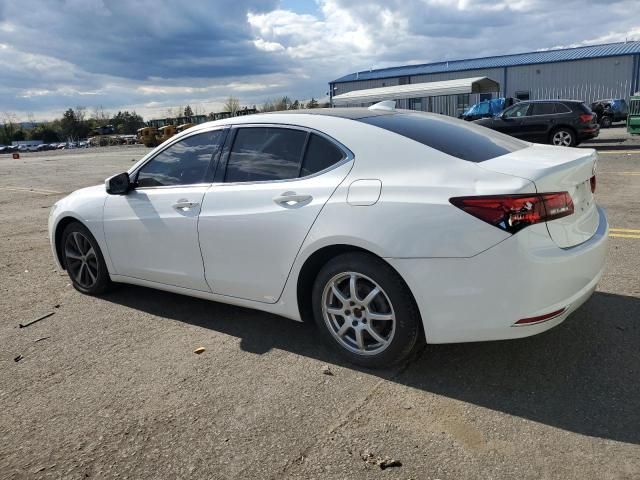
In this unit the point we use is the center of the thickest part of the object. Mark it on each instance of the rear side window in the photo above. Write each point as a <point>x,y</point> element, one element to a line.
<point>562,108</point>
<point>321,154</point>
<point>265,153</point>
<point>543,109</point>
<point>460,139</point>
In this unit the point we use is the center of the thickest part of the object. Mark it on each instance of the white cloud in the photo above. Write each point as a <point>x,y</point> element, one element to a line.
<point>55,55</point>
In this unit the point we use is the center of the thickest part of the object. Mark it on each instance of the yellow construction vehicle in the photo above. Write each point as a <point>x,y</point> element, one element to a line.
<point>184,126</point>
<point>166,132</point>
<point>148,136</point>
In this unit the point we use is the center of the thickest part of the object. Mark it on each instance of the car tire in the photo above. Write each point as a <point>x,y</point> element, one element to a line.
<point>83,260</point>
<point>563,137</point>
<point>605,122</point>
<point>372,330</point>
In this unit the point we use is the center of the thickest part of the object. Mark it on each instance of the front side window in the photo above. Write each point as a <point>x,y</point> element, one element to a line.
<point>265,153</point>
<point>184,163</point>
<point>517,111</point>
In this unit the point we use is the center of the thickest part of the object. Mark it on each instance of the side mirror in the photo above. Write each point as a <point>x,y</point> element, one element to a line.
<point>118,184</point>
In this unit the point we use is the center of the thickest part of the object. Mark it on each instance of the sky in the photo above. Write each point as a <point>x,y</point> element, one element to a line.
<point>155,55</point>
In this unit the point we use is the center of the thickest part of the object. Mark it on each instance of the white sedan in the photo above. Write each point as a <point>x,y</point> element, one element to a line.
<point>388,227</point>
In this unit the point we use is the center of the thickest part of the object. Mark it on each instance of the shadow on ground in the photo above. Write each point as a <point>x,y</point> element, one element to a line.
<point>582,376</point>
<point>610,144</point>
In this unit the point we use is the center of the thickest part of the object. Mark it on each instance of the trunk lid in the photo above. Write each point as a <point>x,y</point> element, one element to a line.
<point>558,169</point>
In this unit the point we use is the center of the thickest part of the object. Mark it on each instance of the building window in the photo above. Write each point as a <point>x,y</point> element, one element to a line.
<point>485,96</point>
<point>462,103</point>
<point>404,80</point>
<point>522,95</point>
<point>415,104</point>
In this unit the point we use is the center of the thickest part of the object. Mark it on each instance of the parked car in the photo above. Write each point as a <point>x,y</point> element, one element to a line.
<point>385,226</point>
<point>558,122</point>
<point>488,108</point>
<point>610,111</point>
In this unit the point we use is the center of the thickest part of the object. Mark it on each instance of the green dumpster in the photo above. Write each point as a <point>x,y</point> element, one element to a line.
<point>633,118</point>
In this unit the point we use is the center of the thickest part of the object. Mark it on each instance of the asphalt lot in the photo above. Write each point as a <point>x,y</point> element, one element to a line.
<point>111,387</point>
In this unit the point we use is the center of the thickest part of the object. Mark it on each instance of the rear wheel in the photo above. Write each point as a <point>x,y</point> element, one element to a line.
<point>563,137</point>
<point>84,261</point>
<point>365,311</point>
<point>605,122</point>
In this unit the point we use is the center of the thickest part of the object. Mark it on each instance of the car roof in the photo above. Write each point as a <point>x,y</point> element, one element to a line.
<point>351,113</point>
<point>550,100</point>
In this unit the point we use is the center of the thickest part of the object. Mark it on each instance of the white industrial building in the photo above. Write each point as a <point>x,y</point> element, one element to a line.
<point>584,73</point>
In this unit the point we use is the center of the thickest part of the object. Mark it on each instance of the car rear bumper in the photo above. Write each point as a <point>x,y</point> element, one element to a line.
<point>591,132</point>
<point>482,297</point>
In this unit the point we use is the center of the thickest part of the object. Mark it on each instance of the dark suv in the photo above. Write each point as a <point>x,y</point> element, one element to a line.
<point>558,122</point>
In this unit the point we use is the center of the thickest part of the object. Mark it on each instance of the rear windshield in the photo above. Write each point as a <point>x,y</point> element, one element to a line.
<point>464,140</point>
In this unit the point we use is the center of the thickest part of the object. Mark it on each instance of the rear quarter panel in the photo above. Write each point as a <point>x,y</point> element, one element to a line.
<point>413,216</point>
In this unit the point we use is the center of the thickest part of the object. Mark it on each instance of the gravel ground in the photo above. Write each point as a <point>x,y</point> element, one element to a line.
<point>110,387</point>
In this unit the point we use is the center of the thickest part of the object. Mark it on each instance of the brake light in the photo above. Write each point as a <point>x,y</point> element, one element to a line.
<point>593,184</point>
<point>515,212</point>
<point>586,118</point>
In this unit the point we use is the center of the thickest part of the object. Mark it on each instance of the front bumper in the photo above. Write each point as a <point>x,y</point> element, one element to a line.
<point>527,275</point>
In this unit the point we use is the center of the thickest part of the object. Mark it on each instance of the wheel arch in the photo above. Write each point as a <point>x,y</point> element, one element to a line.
<point>563,126</point>
<point>57,236</point>
<point>312,265</point>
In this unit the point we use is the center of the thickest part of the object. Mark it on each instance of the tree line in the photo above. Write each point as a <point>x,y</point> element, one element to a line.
<point>76,123</point>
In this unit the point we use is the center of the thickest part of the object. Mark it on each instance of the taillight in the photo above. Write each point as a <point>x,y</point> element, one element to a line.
<point>586,118</point>
<point>593,184</point>
<point>515,212</point>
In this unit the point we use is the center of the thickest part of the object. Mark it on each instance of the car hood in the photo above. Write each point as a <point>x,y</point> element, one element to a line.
<point>82,193</point>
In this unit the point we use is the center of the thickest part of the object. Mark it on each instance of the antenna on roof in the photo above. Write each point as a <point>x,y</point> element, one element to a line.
<point>387,105</point>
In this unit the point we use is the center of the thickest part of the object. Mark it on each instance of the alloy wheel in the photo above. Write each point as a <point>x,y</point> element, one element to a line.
<point>81,260</point>
<point>358,313</point>
<point>562,138</point>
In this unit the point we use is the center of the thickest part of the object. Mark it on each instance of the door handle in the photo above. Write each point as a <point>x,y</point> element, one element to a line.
<point>292,199</point>
<point>184,205</point>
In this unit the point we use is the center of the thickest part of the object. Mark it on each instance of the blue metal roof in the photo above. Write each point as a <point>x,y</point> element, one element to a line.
<point>547,56</point>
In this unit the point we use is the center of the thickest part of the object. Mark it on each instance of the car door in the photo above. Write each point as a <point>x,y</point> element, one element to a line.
<point>273,184</point>
<point>152,232</point>
<point>539,121</point>
<point>510,122</point>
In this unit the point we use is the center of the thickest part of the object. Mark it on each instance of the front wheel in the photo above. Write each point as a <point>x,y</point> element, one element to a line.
<point>563,138</point>
<point>83,260</point>
<point>364,309</point>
